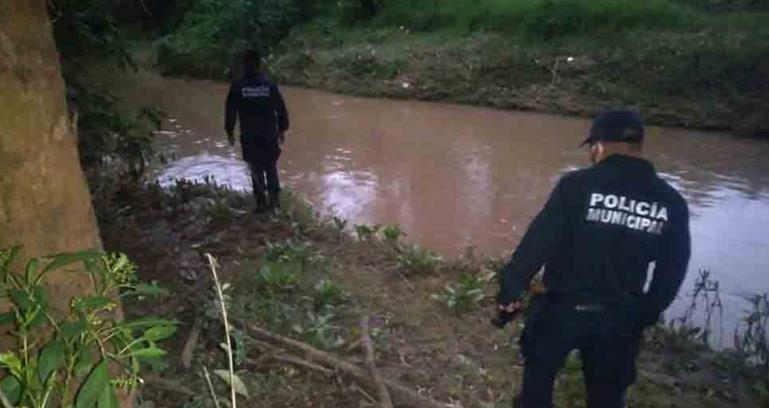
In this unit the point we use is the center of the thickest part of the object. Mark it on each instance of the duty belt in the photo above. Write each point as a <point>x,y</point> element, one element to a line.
<point>580,305</point>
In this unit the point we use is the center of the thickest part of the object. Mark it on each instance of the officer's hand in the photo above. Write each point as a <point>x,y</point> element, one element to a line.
<point>511,308</point>
<point>231,139</point>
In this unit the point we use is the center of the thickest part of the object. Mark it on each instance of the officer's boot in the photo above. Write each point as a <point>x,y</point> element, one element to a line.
<point>273,200</point>
<point>261,202</point>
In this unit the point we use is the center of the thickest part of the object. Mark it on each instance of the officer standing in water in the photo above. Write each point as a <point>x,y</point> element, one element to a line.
<point>596,237</point>
<point>259,106</point>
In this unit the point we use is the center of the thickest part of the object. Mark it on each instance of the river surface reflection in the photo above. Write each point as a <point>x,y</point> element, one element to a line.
<point>456,176</point>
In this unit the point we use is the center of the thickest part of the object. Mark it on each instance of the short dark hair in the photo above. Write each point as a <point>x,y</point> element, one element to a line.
<point>251,60</point>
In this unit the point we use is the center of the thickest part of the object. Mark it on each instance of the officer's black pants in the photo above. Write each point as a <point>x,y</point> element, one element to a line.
<point>606,339</point>
<point>264,177</point>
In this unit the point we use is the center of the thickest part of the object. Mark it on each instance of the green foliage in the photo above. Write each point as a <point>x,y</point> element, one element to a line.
<point>417,260</point>
<point>537,18</point>
<point>468,292</point>
<point>278,276</point>
<point>87,28</point>
<point>753,339</point>
<point>108,138</point>
<point>57,354</point>
<point>290,251</point>
<point>318,330</point>
<point>392,234</point>
<point>366,232</point>
<point>214,33</point>
<point>328,294</point>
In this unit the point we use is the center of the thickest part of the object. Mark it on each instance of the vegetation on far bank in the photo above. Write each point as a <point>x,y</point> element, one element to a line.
<point>690,63</point>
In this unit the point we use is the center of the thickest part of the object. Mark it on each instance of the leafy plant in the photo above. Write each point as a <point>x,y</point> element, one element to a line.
<point>214,32</point>
<point>277,276</point>
<point>705,297</point>
<point>291,251</point>
<point>468,292</point>
<point>393,233</point>
<point>753,340</point>
<point>56,355</point>
<point>366,232</point>
<point>220,211</point>
<point>416,260</point>
<point>328,293</point>
<point>339,223</point>
<point>318,331</point>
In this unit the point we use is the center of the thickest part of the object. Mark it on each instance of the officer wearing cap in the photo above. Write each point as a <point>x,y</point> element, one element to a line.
<point>259,106</point>
<point>596,237</point>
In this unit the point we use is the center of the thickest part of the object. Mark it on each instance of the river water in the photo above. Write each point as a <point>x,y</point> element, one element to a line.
<point>457,176</point>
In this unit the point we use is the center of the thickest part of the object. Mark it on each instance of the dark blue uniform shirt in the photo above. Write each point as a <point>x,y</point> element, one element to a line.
<point>597,235</point>
<point>259,106</point>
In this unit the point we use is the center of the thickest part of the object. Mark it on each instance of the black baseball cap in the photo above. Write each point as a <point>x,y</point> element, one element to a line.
<point>616,125</point>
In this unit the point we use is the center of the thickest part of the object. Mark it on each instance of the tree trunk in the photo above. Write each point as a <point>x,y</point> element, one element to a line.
<point>45,205</point>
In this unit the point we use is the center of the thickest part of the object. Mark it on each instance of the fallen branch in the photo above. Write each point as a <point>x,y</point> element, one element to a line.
<point>294,361</point>
<point>190,344</point>
<point>376,377</point>
<point>406,281</point>
<point>401,395</point>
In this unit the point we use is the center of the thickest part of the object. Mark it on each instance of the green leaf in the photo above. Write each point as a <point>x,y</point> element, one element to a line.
<point>70,330</point>
<point>147,289</point>
<point>32,267</point>
<point>6,258</point>
<point>11,388</point>
<point>158,333</point>
<point>62,260</point>
<point>237,383</point>
<point>20,299</point>
<point>84,362</point>
<point>149,352</point>
<point>93,387</point>
<point>51,359</point>
<point>144,322</point>
<point>94,303</point>
<point>107,399</point>
<point>8,317</point>
<point>10,361</point>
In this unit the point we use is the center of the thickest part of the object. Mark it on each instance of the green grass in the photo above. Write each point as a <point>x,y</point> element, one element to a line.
<point>538,18</point>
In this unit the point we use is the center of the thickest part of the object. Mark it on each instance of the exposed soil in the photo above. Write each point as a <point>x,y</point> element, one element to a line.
<point>454,357</point>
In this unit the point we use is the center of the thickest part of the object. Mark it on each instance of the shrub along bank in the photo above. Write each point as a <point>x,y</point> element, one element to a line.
<point>691,63</point>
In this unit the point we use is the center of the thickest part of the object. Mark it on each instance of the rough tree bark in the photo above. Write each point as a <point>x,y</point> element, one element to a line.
<point>45,204</point>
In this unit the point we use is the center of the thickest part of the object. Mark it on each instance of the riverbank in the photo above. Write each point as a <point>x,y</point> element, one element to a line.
<point>682,63</point>
<point>310,279</point>
<point>693,80</point>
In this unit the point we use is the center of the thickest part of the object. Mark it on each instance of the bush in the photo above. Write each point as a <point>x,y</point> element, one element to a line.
<point>62,356</point>
<point>538,18</point>
<point>468,292</point>
<point>416,260</point>
<point>213,33</point>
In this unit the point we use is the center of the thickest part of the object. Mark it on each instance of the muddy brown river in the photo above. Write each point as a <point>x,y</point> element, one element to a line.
<point>457,176</point>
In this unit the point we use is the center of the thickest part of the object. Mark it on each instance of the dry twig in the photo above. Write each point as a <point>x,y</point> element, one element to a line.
<point>190,344</point>
<point>401,395</point>
<point>368,348</point>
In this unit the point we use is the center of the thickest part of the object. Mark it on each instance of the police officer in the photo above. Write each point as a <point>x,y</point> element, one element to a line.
<point>596,237</point>
<point>259,106</point>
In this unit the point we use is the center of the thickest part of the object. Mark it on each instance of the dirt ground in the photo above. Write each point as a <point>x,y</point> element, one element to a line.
<point>455,357</point>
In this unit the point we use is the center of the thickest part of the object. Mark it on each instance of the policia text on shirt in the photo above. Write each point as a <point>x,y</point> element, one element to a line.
<point>596,237</point>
